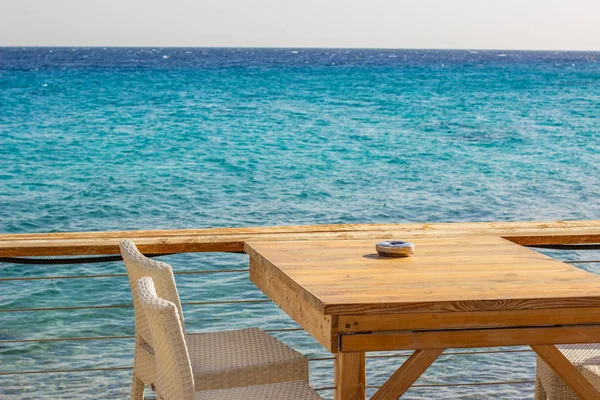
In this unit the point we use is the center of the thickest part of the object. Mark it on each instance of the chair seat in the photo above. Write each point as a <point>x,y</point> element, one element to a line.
<point>298,390</point>
<point>242,358</point>
<point>585,357</point>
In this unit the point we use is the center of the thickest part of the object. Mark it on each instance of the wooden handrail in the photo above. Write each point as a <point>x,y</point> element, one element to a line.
<point>233,239</point>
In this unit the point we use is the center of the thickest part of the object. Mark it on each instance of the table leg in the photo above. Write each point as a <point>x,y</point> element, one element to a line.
<point>350,376</point>
<point>407,374</point>
<point>567,371</point>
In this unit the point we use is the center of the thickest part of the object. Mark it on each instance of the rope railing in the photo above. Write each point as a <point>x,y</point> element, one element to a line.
<point>453,353</point>
<point>108,306</point>
<point>437,385</point>
<point>310,359</point>
<point>69,260</point>
<point>93,338</point>
<point>196,272</point>
<point>570,247</point>
<point>62,371</point>
<point>581,261</point>
<point>431,385</point>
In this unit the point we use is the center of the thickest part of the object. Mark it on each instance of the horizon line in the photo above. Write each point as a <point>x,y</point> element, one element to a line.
<point>296,48</point>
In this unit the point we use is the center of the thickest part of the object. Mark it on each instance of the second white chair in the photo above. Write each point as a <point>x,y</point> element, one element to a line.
<point>585,357</point>
<point>218,360</point>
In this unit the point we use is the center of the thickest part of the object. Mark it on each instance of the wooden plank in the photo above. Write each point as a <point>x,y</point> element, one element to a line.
<point>350,376</point>
<point>407,374</point>
<point>162,245</point>
<point>516,230</point>
<point>159,233</point>
<point>233,239</point>
<point>469,338</point>
<point>551,303</point>
<point>451,274</point>
<point>483,319</point>
<point>321,327</point>
<point>569,374</point>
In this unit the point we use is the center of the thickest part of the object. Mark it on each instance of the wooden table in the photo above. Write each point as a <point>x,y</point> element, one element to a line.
<point>476,291</point>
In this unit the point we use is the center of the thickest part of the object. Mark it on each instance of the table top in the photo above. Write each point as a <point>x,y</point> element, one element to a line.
<point>484,273</point>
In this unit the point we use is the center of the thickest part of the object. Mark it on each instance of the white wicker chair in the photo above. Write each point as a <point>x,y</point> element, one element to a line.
<point>174,378</point>
<point>219,360</point>
<point>585,357</point>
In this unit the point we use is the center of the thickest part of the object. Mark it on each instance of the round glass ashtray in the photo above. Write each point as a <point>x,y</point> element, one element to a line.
<point>395,248</point>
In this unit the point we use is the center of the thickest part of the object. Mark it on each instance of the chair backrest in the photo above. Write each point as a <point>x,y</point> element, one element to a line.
<point>174,379</point>
<point>139,266</point>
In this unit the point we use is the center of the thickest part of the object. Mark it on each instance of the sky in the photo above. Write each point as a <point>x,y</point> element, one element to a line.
<point>453,24</point>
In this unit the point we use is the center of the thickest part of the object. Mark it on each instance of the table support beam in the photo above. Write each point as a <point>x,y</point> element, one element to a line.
<point>350,376</point>
<point>407,374</point>
<point>567,371</point>
<point>467,338</point>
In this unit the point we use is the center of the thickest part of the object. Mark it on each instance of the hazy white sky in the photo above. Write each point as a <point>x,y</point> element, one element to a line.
<point>481,24</point>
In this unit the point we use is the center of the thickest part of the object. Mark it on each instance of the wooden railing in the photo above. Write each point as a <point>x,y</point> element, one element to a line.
<point>233,239</point>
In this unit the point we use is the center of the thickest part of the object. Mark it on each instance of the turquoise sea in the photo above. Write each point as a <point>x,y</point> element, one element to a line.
<point>98,139</point>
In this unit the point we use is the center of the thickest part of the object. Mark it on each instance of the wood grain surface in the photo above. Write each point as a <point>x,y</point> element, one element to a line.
<point>463,320</point>
<point>321,327</point>
<point>451,274</point>
<point>445,339</point>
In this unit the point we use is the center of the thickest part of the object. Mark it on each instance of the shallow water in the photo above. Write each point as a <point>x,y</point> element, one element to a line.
<point>114,139</point>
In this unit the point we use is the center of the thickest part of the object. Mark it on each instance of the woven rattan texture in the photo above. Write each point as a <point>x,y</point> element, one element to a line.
<point>174,378</point>
<point>139,266</point>
<point>586,357</point>
<point>241,358</point>
<point>145,368</point>
<point>298,390</point>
